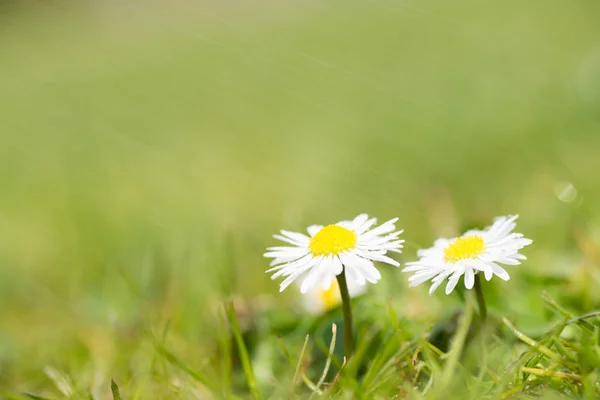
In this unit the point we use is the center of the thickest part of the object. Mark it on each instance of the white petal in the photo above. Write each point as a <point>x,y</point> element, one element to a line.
<point>282,260</point>
<point>287,282</point>
<point>479,264</point>
<point>377,257</point>
<point>293,276</point>
<point>314,276</point>
<point>359,221</point>
<point>499,271</point>
<point>469,278</point>
<point>299,237</point>
<point>442,243</point>
<point>525,242</point>
<point>488,273</point>
<point>337,266</point>
<point>379,240</point>
<point>431,272</point>
<point>436,282</point>
<point>416,280</point>
<point>386,227</point>
<point>346,224</point>
<point>414,266</point>
<point>508,261</point>
<point>502,226</point>
<point>366,226</point>
<point>453,281</point>
<point>327,280</point>
<point>327,262</point>
<point>354,276</point>
<point>301,265</point>
<point>368,270</point>
<point>290,241</point>
<point>275,254</point>
<point>285,248</point>
<point>363,266</point>
<point>293,264</point>
<point>354,288</point>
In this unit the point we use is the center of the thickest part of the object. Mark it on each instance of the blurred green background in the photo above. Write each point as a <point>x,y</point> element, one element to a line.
<point>148,151</point>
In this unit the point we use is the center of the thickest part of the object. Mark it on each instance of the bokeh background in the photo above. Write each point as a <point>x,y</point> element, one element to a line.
<point>149,150</point>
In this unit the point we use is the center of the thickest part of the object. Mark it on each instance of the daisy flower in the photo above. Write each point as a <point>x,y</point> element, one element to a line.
<point>327,251</point>
<point>476,250</point>
<point>319,300</point>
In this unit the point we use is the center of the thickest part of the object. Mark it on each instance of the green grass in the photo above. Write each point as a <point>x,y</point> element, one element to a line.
<point>149,153</point>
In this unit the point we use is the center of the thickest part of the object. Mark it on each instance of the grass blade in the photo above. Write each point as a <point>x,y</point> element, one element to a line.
<point>237,334</point>
<point>536,345</point>
<point>35,397</point>
<point>380,358</point>
<point>552,374</point>
<point>115,390</point>
<point>583,317</point>
<point>225,357</point>
<point>329,356</point>
<point>287,354</point>
<point>60,380</point>
<point>299,364</point>
<point>457,344</point>
<point>560,309</point>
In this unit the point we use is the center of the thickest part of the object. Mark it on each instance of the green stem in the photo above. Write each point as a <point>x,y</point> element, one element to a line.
<point>480,299</point>
<point>347,308</point>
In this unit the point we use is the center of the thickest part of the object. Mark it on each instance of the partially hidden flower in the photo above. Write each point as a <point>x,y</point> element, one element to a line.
<point>318,300</point>
<point>475,251</point>
<point>328,250</point>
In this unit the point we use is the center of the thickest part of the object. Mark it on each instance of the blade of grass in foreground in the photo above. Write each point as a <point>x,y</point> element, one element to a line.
<point>536,345</point>
<point>225,359</point>
<point>329,356</point>
<point>237,334</point>
<point>115,390</point>
<point>60,380</point>
<point>380,359</point>
<point>456,347</point>
<point>28,396</point>
<point>35,397</point>
<point>550,302</point>
<point>298,365</point>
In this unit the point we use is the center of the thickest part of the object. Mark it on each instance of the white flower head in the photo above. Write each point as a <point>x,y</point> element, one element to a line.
<point>476,250</point>
<point>318,300</point>
<point>327,251</point>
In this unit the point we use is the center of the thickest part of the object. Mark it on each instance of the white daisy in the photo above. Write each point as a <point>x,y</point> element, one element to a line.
<point>476,250</point>
<point>319,300</point>
<point>327,251</point>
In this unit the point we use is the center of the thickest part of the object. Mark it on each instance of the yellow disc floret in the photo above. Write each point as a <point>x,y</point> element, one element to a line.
<point>330,297</point>
<point>464,248</point>
<point>332,239</point>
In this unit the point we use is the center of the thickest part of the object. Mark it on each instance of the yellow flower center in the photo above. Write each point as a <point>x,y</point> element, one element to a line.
<point>463,248</point>
<point>331,296</point>
<point>332,239</point>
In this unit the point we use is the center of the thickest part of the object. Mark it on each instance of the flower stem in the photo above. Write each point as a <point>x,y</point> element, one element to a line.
<point>347,309</point>
<point>480,299</point>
